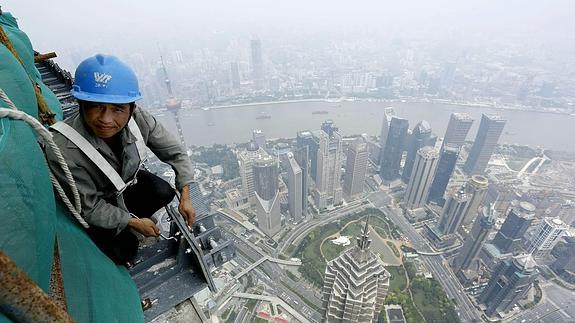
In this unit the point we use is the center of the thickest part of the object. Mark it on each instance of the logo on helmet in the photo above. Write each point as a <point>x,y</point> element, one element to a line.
<point>101,79</point>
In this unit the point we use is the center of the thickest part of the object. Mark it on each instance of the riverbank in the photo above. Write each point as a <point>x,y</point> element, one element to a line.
<point>403,101</point>
<point>232,124</point>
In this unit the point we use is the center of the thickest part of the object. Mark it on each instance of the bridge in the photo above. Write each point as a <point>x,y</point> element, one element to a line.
<point>533,160</point>
<point>240,219</point>
<point>437,253</point>
<point>261,260</point>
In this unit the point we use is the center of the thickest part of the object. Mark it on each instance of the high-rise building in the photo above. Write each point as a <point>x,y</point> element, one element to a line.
<point>448,75</point>
<point>490,130</point>
<point>457,129</point>
<point>305,139</point>
<point>329,127</point>
<point>355,169</point>
<point>259,137</point>
<point>355,284</point>
<point>393,150</point>
<point>295,188</point>
<point>245,160</point>
<point>509,283</point>
<point>265,173</point>
<point>301,155</point>
<point>476,188</point>
<point>265,169</point>
<point>257,64</point>
<point>328,169</point>
<point>503,195</point>
<point>565,263</point>
<point>546,236</point>
<point>235,75</point>
<point>269,214</point>
<point>454,211</point>
<point>420,137</point>
<point>445,167</point>
<point>373,150</point>
<point>518,220</point>
<point>472,244</point>
<point>421,178</point>
<point>387,115</point>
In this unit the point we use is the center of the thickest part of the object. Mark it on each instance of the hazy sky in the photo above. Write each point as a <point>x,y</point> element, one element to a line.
<point>63,25</point>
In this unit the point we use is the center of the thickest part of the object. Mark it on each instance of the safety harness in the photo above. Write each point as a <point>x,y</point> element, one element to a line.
<point>88,149</point>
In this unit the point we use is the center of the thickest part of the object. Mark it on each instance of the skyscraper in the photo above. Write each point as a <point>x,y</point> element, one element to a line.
<point>457,129</point>
<point>269,215</point>
<point>509,283</point>
<point>565,263</point>
<point>546,236</point>
<point>445,167</point>
<point>476,188</point>
<point>393,150</point>
<point>245,160</point>
<point>448,75</point>
<point>257,64</point>
<point>472,244</point>
<point>421,178</point>
<point>355,284</point>
<point>387,115</point>
<point>259,137</point>
<point>454,211</point>
<point>329,127</point>
<point>486,140</point>
<point>508,238</point>
<point>328,187</point>
<point>265,170</point>
<point>235,75</point>
<point>301,156</point>
<point>265,173</point>
<point>305,139</point>
<point>295,187</point>
<point>356,166</point>
<point>420,137</point>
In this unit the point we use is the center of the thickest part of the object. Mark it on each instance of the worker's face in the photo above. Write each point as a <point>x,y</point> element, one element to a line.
<point>106,119</point>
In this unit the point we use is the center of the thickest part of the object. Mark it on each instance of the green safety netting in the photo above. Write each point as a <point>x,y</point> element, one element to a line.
<point>96,289</point>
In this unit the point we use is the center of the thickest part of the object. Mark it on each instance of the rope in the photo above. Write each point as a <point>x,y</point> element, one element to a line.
<point>22,300</point>
<point>14,113</point>
<point>45,114</point>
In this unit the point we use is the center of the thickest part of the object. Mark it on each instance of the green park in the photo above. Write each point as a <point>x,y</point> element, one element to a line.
<point>422,299</point>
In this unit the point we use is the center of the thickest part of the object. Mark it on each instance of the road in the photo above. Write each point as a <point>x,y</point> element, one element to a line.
<point>277,284</point>
<point>556,306</point>
<point>306,227</point>
<point>275,302</point>
<point>441,271</point>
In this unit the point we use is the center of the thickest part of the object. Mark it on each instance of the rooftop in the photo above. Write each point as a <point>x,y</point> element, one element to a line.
<point>525,261</point>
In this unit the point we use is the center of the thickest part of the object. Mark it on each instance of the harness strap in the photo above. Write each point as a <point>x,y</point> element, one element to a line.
<point>91,153</point>
<point>140,144</point>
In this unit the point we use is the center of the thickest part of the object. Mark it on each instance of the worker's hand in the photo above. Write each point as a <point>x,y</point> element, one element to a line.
<point>145,226</point>
<point>187,211</point>
<point>186,208</point>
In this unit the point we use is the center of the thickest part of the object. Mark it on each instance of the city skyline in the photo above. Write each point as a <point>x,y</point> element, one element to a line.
<point>350,162</point>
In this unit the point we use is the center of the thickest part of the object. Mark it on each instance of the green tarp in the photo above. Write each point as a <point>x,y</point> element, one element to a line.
<point>96,290</point>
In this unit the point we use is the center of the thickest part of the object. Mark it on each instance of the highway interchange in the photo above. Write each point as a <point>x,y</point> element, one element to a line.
<point>557,305</point>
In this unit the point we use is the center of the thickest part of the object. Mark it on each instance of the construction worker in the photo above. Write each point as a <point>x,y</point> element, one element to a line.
<point>104,145</point>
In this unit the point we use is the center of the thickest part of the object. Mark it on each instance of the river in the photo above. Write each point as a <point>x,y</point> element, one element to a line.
<point>234,124</point>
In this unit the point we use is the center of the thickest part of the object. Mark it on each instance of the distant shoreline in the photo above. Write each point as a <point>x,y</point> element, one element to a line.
<point>352,99</point>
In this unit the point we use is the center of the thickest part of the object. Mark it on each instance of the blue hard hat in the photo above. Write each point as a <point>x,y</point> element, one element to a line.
<point>106,79</point>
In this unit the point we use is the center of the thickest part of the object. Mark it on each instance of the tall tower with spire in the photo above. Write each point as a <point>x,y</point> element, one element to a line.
<point>172,103</point>
<point>355,284</point>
